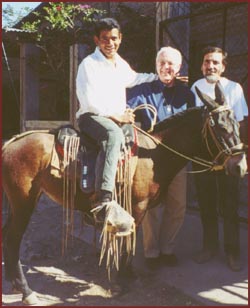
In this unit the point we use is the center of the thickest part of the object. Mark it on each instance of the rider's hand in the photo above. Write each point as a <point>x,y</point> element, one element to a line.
<point>127,117</point>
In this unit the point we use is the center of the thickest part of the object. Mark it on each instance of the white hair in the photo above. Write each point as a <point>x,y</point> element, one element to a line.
<point>172,51</point>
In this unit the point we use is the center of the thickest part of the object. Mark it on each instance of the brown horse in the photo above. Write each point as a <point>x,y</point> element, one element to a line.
<point>212,133</point>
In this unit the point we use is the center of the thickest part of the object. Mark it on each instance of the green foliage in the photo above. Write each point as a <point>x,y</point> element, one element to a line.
<point>59,16</point>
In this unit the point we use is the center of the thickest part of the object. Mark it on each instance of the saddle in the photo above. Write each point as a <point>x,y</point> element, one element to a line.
<point>88,152</point>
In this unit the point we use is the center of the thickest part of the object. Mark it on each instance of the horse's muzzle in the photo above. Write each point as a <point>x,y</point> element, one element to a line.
<point>237,165</point>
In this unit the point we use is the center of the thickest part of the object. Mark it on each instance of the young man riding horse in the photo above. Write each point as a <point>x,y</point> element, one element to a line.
<point>101,81</point>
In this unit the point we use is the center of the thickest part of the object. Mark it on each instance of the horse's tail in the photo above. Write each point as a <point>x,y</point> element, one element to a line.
<point>19,136</point>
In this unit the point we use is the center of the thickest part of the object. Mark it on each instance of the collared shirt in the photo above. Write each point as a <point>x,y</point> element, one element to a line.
<point>101,85</point>
<point>233,93</point>
<point>167,101</point>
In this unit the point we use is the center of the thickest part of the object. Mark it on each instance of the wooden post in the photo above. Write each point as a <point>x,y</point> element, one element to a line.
<point>29,84</point>
<point>77,53</point>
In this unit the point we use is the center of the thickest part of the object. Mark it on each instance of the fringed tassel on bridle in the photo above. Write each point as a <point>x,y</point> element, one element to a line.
<point>71,146</point>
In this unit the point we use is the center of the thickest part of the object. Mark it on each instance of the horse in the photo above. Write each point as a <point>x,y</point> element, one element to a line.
<point>209,132</point>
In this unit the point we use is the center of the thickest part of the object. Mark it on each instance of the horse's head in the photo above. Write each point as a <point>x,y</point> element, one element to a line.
<point>221,134</point>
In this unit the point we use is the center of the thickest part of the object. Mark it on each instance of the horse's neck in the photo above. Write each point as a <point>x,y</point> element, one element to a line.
<point>185,137</point>
<point>181,141</point>
<point>176,141</point>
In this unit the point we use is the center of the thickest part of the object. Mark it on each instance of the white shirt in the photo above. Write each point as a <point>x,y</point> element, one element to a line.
<point>233,93</point>
<point>100,85</point>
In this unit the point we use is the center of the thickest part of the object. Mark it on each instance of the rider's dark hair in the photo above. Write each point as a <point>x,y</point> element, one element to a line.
<point>210,49</point>
<point>106,24</point>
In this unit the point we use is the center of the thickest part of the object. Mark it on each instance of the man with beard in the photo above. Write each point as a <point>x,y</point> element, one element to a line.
<point>216,191</point>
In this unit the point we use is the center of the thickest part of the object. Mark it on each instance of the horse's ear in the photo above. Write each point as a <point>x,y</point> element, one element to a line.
<point>206,100</point>
<point>219,94</point>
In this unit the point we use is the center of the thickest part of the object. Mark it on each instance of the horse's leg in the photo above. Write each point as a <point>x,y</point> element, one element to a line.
<point>126,273</point>
<point>22,208</point>
<point>126,269</point>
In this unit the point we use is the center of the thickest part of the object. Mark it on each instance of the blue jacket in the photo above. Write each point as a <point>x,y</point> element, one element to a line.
<point>167,101</point>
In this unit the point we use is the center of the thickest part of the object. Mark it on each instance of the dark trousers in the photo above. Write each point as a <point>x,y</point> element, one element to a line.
<point>219,194</point>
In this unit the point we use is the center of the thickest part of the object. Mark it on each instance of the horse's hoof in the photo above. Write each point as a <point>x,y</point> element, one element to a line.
<point>31,300</point>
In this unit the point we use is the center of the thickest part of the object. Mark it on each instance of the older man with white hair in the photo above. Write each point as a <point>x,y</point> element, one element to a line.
<point>169,96</point>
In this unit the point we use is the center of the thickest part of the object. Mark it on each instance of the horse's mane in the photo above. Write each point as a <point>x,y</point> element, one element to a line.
<point>178,118</point>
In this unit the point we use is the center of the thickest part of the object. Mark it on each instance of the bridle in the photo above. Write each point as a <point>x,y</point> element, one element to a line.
<point>224,151</point>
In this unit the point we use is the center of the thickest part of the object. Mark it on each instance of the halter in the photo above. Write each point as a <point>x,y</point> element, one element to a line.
<point>224,151</point>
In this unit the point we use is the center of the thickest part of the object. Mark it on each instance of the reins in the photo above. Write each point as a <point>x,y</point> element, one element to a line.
<point>211,166</point>
<point>199,161</point>
<point>157,141</point>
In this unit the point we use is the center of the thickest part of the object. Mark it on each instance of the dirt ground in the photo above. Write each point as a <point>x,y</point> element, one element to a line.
<point>76,279</point>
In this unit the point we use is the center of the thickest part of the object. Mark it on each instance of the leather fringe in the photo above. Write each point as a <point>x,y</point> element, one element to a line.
<point>114,243</point>
<point>71,146</point>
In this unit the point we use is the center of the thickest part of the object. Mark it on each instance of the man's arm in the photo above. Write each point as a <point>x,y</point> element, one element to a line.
<point>133,78</point>
<point>84,84</point>
<point>140,78</point>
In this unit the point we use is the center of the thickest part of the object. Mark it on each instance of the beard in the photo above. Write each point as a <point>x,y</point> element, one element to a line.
<point>212,78</point>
